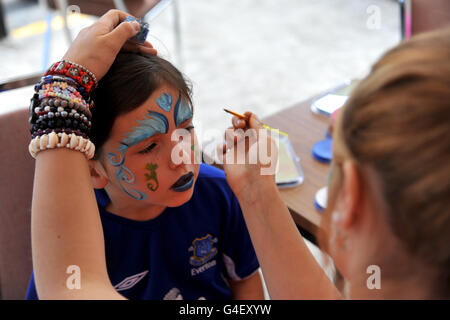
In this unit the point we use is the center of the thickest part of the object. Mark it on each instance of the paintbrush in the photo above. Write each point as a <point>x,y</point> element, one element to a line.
<point>241,116</point>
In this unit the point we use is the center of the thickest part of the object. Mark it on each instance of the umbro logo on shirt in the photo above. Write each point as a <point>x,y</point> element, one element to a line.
<point>130,281</point>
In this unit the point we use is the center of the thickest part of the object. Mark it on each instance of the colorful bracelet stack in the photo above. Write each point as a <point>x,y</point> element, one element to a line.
<point>80,74</point>
<point>60,113</point>
<point>42,86</point>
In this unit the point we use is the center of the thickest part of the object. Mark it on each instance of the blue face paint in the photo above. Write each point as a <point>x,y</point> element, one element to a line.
<point>123,174</point>
<point>165,102</point>
<point>182,112</point>
<point>152,124</point>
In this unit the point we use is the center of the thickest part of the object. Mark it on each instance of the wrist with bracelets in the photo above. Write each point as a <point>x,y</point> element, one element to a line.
<point>60,110</point>
<point>80,74</point>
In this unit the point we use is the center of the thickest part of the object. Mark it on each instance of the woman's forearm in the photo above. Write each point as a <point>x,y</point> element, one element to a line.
<point>289,268</point>
<point>66,226</point>
<point>66,229</point>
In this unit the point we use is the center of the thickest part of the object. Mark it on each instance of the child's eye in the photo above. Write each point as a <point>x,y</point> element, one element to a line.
<point>148,149</point>
<point>190,128</point>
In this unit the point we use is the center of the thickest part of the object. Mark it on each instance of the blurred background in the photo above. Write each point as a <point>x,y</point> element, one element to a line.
<point>258,55</point>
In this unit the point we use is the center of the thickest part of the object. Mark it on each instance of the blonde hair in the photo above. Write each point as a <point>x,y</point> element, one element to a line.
<point>397,121</point>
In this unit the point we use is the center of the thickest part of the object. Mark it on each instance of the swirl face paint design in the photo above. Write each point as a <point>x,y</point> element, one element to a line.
<point>182,112</point>
<point>165,101</point>
<point>152,124</point>
<point>152,177</point>
<point>123,174</point>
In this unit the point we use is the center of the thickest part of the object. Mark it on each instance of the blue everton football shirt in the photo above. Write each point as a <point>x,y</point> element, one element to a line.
<point>187,252</point>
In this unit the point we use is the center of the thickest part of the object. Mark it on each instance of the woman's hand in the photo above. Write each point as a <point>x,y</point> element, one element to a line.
<point>96,46</point>
<point>249,156</point>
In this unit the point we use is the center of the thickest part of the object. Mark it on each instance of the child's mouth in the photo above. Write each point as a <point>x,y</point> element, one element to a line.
<point>184,183</point>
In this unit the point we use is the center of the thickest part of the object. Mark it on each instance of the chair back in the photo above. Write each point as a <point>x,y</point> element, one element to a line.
<point>16,184</point>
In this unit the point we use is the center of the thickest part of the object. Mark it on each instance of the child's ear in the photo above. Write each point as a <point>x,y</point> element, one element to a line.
<point>99,178</point>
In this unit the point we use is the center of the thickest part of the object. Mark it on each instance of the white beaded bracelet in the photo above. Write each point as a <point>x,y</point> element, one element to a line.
<point>61,140</point>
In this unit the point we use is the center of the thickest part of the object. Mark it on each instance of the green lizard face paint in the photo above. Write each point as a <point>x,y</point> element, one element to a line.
<point>151,177</point>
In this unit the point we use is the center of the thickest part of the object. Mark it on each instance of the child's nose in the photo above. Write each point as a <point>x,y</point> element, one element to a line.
<point>180,153</point>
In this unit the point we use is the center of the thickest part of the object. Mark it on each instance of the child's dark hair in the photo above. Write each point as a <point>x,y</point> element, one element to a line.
<point>129,82</point>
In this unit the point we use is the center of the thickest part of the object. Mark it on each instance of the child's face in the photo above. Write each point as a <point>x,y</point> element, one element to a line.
<point>141,160</point>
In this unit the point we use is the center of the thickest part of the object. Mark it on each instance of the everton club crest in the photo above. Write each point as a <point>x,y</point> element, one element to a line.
<point>203,250</point>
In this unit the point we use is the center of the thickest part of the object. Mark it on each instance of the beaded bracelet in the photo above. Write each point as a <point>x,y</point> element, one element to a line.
<point>41,132</point>
<point>75,71</point>
<point>58,114</point>
<point>61,140</point>
<point>58,102</point>
<point>69,96</point>
<point>92,75</point>
<point>63,83</point>
<point>55,105</point>
<point>60,86</point>
<point>57,78</point>
<point>66,94</point>
<point>53,112</point>
<point>44,125</point>
<point>46,117</point>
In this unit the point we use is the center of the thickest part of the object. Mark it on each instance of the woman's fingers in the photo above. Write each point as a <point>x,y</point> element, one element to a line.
<point>234,135</point>
<point>112,18</point>
<point>240,138</point>
<point>134,47</point>
<point>150,51</point>
<point>147,44</point>
<point>253,121</point>
<point>238,122</point>
<point>96,47</point>
<point>124,31</point>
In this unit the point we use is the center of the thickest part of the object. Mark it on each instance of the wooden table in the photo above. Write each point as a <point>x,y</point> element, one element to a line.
<point>305,128</point>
